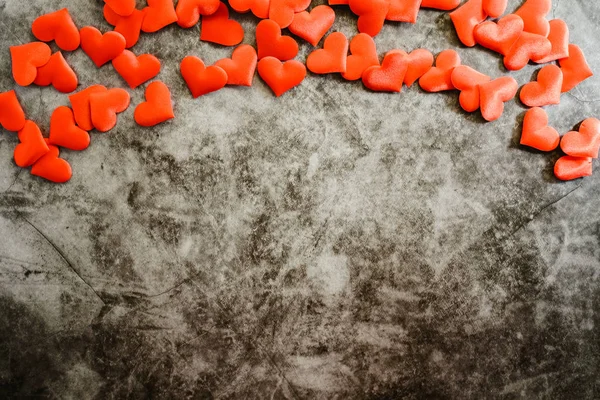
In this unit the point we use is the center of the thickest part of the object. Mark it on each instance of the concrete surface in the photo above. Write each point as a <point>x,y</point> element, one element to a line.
<point>330,244</point>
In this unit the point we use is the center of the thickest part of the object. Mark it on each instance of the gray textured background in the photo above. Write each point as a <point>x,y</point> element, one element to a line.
<point>331,244</point>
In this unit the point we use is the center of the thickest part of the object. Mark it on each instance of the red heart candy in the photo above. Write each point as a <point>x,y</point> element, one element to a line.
<point>157,108</point>
<point>32,145</point>
<point>101,48</point>
<point>58,74</point>
<point>528,47</point>
<point>467,80</point>
<point>104,106</point>
<point>189,11</point>
<point>493,95</point>
<point>282,11</point>
<point>363,55</point>
<point>494,8</point>
<point>332,57</point>
<point>445,5</point>
<point>12,116</point>
<point>439,78</point>
<point>585,142</point>
<point>136,69</point>
<point>218,28</point>
<point>419,62</point>
<point>129,26</point>
<point>466,18</point>
<point>80,103</point>
<point>281,77</point>
<point>270,42</point>
<point>57,26</point>
<point>64,132</point>
<point>544,91</point>
<point>536,132</point>
<point>501,36</point>
<point>159,13</point>
<point>123,8</point>
<point>259,8</point>
<point>534,14</point>
<point>559,38</point>
<point>388,77</point>
<point>241,66</point>
<point>403,10</point>
<point>201,79</point>
<point>575,68</point>
<point>371,14</point>
<point>52,168</point>
<point>568,168</point>
<point>314,25</point>
<point>26,59</point>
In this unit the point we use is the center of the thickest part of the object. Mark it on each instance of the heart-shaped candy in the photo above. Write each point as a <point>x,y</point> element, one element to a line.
<point>241,66</point>
<point>493,95</point>
<point>585,142</point>
<point>388,77</point>
<point>466,18</point>
<point>559,38</point>
<point>544,91</point>
<point>439,78</point>
<point>312,26</point>
<point>568,168</point>
<point>371,14</point>
<point>467,80</point>
<point>536,132</point>
<point>494,8</point>
<point>534,14</point>
<point>282,11</point>
<point>12,117</point>
<point>189,11</point>
<point>158,14</point>
<point>218,28</point>
<point>101,48</point>
<point>270,42</point>
<point>338,2</point>
<point>332,57</point>
<point>419,62</point>
<point>57,26</point>
<point>445,5</point>
<point>52,168</point>
<point>363,55</point>
<point>32,145</point>
<point>26,59</point>
<point>64,132</point>
<point>201,79</point>
<point>528,46</point>
<point>129,26</point>
<point>58,74</point>
<point>136,69</point>
<point>123,8</point>
<point>575,68</point>
<point>501,36</point>
<point>259,8</point>
<point>80,103</point>
<point>104,106</point>
<point>281,77</point>
<point>403,10</point>
<point>157,108</point>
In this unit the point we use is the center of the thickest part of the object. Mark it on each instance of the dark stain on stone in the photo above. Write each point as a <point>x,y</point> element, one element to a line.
<point>109,252</point>
<point>166,228</point>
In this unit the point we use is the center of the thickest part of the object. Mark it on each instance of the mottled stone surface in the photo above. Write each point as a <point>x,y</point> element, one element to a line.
<point>330,244</point>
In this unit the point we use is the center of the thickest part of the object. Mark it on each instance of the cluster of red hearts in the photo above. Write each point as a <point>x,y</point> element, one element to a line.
<point>523,37</point>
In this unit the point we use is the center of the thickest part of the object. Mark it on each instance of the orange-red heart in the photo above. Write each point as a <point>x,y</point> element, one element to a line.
<point>104,106</point>
<point>403,10</point>
<point>259,8</point>
<point>136,69</point>
<point>568,168</point>
<point>201,79</point>
<point>528,47</point>
<point>388,77</point>
<point>312,26</point>
<point>466,18</point>
<point>544,91</point>
<point>58,74</point>
<point>189,11</point>
<point>501,36</point>
<point>371,14</point>
<point>101,48</point>
<point>439,78</point>
<point>445,5</point>
<point>332,57</point>
<point>494,8</point>
<point>64,132</point>
<point>158,14</point>
<point>419,62</point>
<point>585,142</point>
<point>12,117</point>
<point>57,26</point>
<point>241,66</point>
<point>493,95</point>
<point>575,68</point>
<point>281,77</point>
<point>80,103</point>
<point>559,39</point>
<point>363,55</point>
<point>218,28</point>
<point>26,59</point>
<point>32,145</point>
<point>129,26</point>
<point>534,14</point>
<point>282,11</point>
<point>157,108</point>
<point>123,8</point>
<point>467,80</point>
<point>51,167</point>
<point>270,42</point>
<point>536,132</point>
